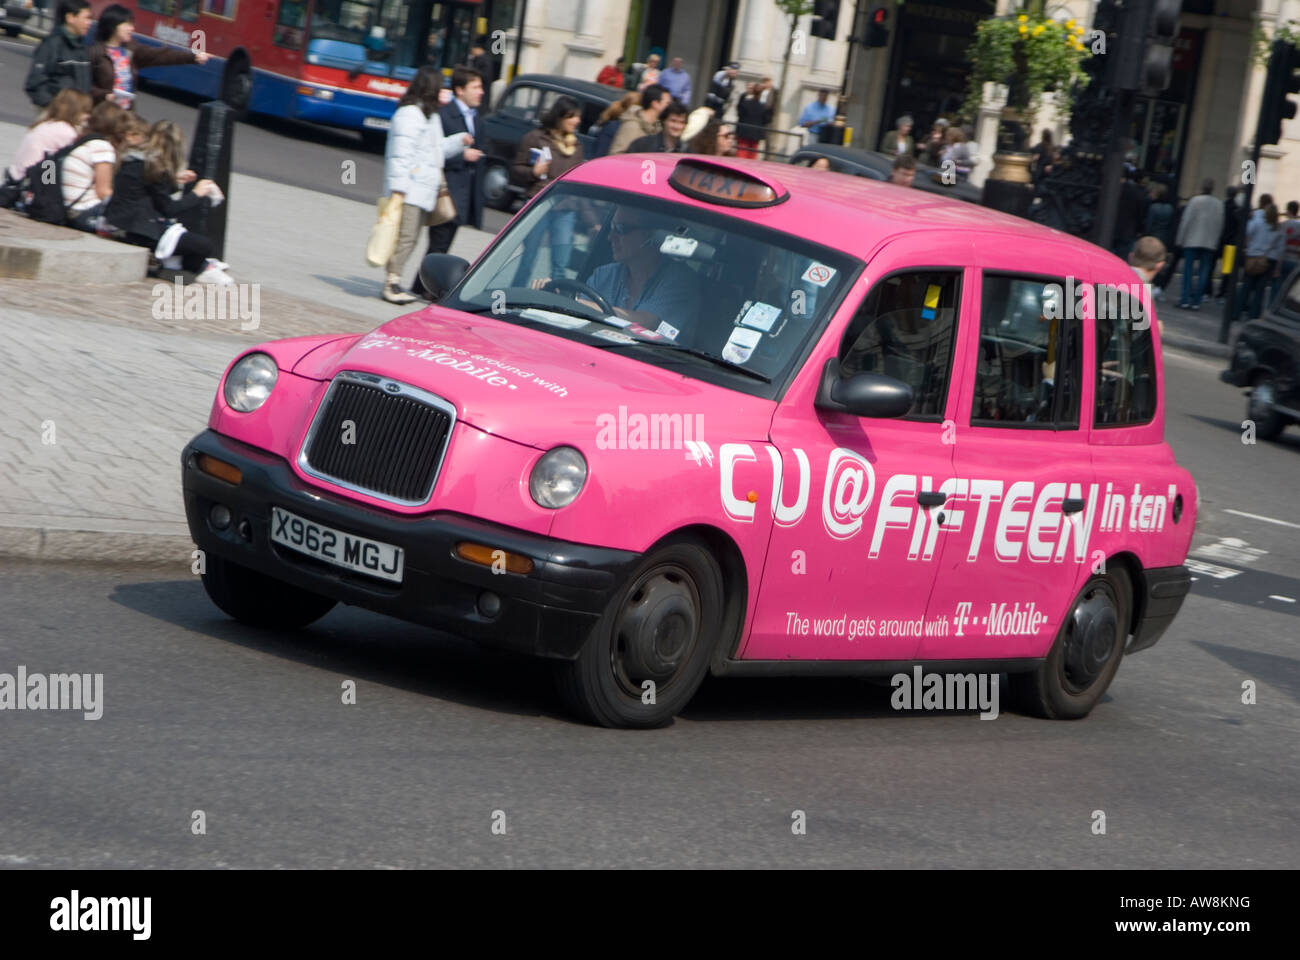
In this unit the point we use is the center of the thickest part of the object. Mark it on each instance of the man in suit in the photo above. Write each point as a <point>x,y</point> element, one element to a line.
<point>462,172</point>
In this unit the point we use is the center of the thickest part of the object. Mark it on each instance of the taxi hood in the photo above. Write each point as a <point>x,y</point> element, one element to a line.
<point>536,388</point>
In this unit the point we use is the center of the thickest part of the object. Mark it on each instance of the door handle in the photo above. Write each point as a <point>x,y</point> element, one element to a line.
<point>931,498</point>
<point>1071,506</point>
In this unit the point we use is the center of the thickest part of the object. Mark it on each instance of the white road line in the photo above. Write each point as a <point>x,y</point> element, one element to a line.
<point>1274,596</point>
<point>1256,516</point>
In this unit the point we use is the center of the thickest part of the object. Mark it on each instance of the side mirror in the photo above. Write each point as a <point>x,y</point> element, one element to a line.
<point>439,272</point>
<point>863,394</point>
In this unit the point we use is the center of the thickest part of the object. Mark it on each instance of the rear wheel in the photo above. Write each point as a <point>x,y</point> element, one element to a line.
<point>650,650</point>
<point>1085,655</point>
<point>258,600</point>
<point>496,187</point>
<point>1268,422</point>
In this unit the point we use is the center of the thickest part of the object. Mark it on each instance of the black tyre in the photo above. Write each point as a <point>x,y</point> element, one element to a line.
<point>374,140</point>
<point>653,643</point>
<point>1085,655</point>
<point>1269,424</point>
<point>13,31</point>
<point>258,600</point>
<point>496,187</point>
<point>237,85</point>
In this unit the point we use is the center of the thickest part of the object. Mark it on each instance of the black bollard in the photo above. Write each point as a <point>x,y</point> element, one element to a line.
<point>210,155</point>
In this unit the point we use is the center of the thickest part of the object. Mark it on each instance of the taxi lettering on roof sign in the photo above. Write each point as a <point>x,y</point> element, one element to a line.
<point>722,423</point>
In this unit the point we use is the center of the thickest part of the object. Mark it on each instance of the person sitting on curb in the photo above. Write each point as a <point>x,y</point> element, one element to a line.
<point>143,208</point>
<point>59,124</point>
<point>86,173</point>
<point>115,59</point>
<point>643,120</point>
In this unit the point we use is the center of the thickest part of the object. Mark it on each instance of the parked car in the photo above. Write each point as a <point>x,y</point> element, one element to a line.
<point>819,439</point>
<point>1266,358</point>
<point>15,14</point>
<point>519,111</point>
<point>876,166</point>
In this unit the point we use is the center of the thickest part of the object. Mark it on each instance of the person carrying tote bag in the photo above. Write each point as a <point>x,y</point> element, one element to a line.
<point>413,162</point>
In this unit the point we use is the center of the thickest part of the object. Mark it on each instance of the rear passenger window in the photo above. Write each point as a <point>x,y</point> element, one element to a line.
<point>521,103</point>
<point>1029,355</point>
<point>905,329</point>
<point>1126,364</point>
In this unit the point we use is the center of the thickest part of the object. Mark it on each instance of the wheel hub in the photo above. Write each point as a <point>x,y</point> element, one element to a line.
<point>1089,646</point>
<point>1261,399</point>
<point>657,629</point>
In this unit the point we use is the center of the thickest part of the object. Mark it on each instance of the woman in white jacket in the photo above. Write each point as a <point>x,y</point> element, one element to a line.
<point>413,162</point>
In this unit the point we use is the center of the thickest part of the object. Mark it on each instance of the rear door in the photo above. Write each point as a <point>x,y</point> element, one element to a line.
<point>1024,498</point>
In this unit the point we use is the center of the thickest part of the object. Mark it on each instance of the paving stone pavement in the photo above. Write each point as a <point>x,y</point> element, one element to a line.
<point>99,397</point>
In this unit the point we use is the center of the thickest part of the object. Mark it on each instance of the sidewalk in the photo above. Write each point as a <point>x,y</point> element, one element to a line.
<point>1195,331</point>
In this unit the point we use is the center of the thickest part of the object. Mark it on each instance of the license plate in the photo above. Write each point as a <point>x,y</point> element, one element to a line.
<point>341,549</point>
<point>379,123</point>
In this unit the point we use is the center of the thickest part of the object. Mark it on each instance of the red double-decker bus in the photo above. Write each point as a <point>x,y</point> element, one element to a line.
<point>343,63</point>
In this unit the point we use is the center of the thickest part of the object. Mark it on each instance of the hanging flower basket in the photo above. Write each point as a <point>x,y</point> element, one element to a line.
<point>1031,55</point>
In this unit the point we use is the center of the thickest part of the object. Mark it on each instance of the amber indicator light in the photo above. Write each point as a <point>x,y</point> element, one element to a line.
<point>487,556</point>
<point>220,469</point>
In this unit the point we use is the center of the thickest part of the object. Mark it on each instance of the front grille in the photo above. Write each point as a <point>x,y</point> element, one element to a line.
<point>398,434</point>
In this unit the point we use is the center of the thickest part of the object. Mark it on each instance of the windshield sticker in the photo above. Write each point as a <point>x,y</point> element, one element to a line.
<point>674,246</point>
<point>931,302</point>
<point>761,316</point>
<point>667,329</point>
<point>741,344</point>
<point>819,274</point>
<point>641,331</point>
<point>554,319</point>
<point>614,335</point>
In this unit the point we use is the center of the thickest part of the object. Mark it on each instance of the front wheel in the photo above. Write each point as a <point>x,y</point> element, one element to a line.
<point>496,187</point>
<point>650,650</point>
<point>1085,655</point>
<point>1268,422</point>
<point>258,600</point>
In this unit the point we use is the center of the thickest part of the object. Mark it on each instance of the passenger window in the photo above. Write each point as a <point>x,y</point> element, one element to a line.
<point>289,24</point>
<point>1126,363</point>
<point>521,103</point>
<point>1029,355</point>
<point>157,6</point>
<point>905,329</point>
<point>188,10</point>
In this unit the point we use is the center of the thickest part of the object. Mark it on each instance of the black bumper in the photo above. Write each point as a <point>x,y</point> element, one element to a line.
<point>1158,604</point>
<point>547,612</point>
<point>1236,376</point>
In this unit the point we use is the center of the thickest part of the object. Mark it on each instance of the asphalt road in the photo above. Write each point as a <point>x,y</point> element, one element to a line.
<point>286,151</point>
<point>249,727</point>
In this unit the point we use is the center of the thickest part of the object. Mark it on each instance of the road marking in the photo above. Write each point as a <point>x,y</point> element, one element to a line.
<point>1274,596</point>
<point>1256,516</point>
<point>1230,550</point>
<point>1210,569</point>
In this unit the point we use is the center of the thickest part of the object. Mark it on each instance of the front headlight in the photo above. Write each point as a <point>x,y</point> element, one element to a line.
<point>250,382</point>
<point>558,477</point>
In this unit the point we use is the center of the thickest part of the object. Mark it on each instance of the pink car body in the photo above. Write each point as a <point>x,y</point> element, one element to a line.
<point>846,543</point>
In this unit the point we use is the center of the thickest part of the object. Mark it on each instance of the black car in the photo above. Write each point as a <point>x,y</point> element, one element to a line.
<point>876,166</point>
<point>519,111</point>
<point>14,15</point>
<point>1266,358</point>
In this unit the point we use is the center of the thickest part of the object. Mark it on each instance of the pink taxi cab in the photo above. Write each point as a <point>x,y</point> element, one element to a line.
<point>689,416</point>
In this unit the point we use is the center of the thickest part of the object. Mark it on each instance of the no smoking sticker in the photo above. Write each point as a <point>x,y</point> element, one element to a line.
<point>819,274</point>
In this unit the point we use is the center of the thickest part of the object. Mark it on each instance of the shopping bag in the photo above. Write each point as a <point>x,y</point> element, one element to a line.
<point>383,235</point>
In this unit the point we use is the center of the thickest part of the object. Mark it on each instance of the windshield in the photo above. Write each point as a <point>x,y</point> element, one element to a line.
<point>372,36</point>
<point>707,295</point>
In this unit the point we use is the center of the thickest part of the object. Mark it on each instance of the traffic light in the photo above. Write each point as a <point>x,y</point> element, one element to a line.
<point>1145,55</point>
<point>826,14</point>
<point>1158,65</point>
<point>1282,81</point>
<point>877,28</point>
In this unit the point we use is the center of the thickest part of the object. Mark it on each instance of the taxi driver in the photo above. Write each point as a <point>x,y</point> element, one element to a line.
<point>642,284</point>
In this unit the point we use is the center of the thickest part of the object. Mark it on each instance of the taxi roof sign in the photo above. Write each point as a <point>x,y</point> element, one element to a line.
<point>716,183</point>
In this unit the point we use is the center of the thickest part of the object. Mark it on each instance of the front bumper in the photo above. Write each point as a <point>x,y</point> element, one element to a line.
<point>547,612</point>
<point>1235,376</point>
<point>1158,604</point>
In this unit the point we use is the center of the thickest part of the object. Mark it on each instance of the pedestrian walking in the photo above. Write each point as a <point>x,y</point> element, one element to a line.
<point>1160,224</point>
<point>61,60</point>
<point>414,158</point>
<point>1132,214</point>
<point>544,154</point>
<point>613,74</point>
<point>608,123</point>
<point>716,139</point>
<point>721,89</point>
<point>59,125</point>
<point>899,140</point>
<point>677,81</point>
<point>649,73</point>
<point>144,208</point>
<point>1042,155</point>
<point>482,64</point>
<point>461,171</point>
<point>958,152</point>
<point>669,139</point>
<point>1233,214</point>
<point>753,117</point>
<point>116,59</point>
<point>1291,253</point>
<point>86,173</point>
<point>817,115</point>
<point>1265,249</point>
<point>642,120</point>
<point>1199,232</point>
<point>936,142</point>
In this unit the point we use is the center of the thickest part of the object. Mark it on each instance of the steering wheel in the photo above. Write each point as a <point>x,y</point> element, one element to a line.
<point>563,285</point>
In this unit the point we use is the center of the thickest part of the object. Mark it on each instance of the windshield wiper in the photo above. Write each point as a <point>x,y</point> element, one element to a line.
<point>515,306</point>
<point>694,352</point>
